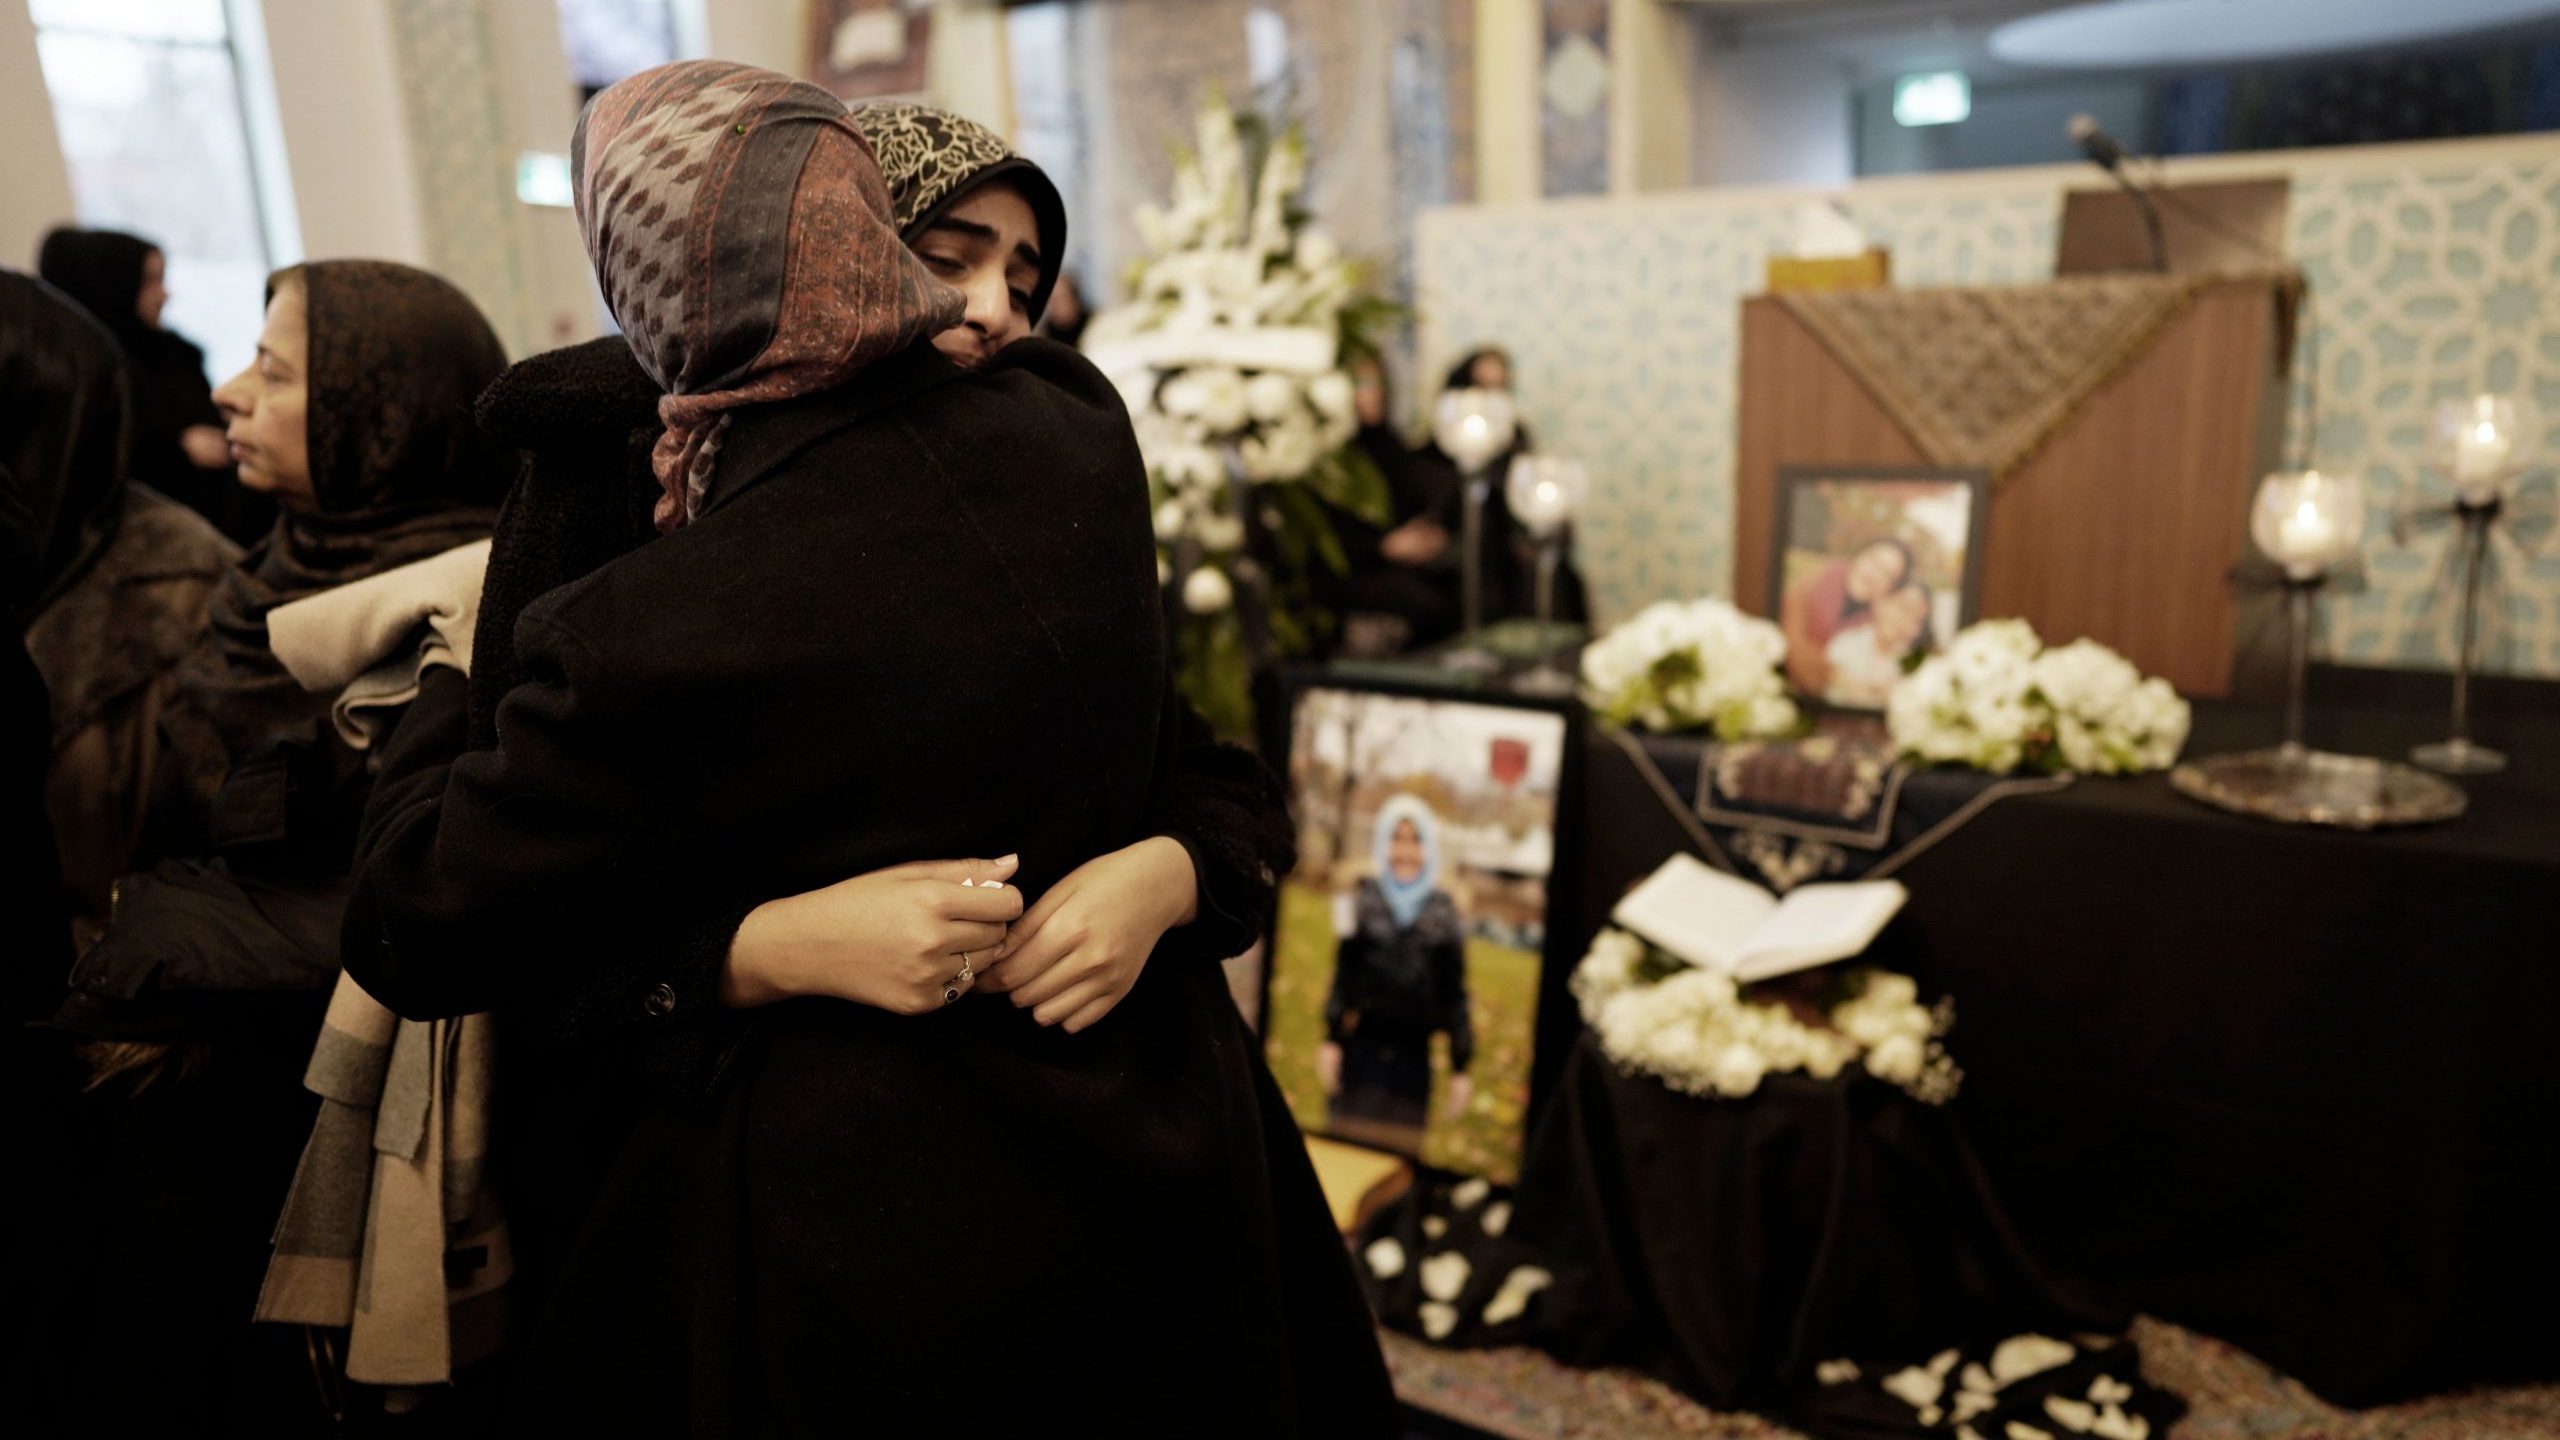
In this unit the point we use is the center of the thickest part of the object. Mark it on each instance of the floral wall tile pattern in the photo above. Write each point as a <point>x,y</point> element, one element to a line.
<point>2437,272</point>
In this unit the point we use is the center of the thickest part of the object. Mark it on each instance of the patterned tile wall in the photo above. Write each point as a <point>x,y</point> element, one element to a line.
<point>2437,267</point>
<point>476,233</point>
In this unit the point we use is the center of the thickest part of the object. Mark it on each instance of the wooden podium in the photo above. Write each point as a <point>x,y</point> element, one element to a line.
<point>2124,526</point>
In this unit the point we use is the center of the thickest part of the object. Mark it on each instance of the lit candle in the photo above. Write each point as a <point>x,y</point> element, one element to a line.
<point>2307,521</point>
<point>2479,455</point>
<point>2308,534</point>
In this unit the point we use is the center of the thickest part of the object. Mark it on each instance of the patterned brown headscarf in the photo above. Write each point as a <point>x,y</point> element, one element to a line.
<point>740,229</point>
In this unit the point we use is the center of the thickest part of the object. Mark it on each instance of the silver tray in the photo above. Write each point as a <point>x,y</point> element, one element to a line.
<point>2299,786</point>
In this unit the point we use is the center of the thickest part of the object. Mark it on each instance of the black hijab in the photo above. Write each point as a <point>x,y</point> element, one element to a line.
<point>65,437</point>
<point>399,471</point>
<point>102,269</point>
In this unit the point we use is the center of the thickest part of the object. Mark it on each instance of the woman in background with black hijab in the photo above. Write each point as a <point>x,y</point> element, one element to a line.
<point>177,444</point>
<point>196,1011</point>
<point>116,590</point>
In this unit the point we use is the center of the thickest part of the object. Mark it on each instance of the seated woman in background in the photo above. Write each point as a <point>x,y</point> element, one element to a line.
<point>867,640</point>
<point>1510,566</point>
<point>178,447</point>
<point>196,1011</point>
<point>118,593</point>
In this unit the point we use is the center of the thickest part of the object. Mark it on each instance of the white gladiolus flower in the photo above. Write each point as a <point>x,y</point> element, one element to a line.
<point>1333,394</point>
<point>1219,534</point>
<point>1214,396</point>
<point>1206,591</point>
<point>1271,398</point>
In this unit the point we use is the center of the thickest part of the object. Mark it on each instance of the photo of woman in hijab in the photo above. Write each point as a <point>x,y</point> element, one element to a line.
<point>1408,964</point>
<point>1399,978</point>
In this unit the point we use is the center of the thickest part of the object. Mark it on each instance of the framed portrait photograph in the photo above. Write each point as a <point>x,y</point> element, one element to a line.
<point>1402,1002</point>
<point>1874,570</point>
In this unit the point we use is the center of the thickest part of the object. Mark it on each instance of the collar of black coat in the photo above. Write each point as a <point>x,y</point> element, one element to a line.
<point>764,438</point>
<point>575,394</point>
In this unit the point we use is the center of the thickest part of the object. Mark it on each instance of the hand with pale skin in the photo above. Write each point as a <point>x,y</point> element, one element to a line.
<point>889,939</point>
<point>1462,1087</point>
<point>1417,542</point>
<point>1080,950</point>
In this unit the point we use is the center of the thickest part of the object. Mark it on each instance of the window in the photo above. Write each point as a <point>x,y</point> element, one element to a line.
<point>610,40</point>
<point>148,100</point>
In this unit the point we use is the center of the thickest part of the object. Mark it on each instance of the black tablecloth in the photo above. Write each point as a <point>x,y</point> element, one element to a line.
<point>2290,1087</point>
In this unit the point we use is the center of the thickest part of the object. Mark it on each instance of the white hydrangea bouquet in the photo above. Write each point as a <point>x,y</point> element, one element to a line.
<point>1998,700</point>
<point>1691,665</point>
<point>1231,355</point>
<point>1701,1034</point>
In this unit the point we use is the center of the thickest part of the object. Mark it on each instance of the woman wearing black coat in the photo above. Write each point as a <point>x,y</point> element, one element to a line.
<point>907,609</point>
<point>178,448</point>
<point>588,417</point>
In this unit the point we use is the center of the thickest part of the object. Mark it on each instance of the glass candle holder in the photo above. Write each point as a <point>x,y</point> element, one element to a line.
<point>1544,492</point>
<point>1474,428</point>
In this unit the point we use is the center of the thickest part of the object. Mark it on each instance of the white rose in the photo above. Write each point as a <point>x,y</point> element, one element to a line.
<point>1897,1058</point>
<point>1271,398</point>
<point>1885,987</point>
<point>1737,1070</point>
<point>1206,592</point>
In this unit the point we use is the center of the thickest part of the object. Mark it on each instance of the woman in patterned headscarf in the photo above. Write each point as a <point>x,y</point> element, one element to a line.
<point>904,609</point>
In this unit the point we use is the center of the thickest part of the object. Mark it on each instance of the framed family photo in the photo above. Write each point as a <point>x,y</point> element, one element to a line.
<point>1875,569</point>
<point>1402,1005</point>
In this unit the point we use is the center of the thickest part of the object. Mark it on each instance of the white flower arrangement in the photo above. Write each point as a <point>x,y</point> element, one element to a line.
<point>1998,700</point>
<point>1691,665</point>
<point>1701,1034</point>
<point>1230,343</point>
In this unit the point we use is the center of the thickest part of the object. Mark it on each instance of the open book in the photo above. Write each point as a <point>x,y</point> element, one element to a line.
<point>1717,922</point>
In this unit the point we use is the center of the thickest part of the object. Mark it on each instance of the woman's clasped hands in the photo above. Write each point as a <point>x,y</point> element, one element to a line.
<point>898,939</point>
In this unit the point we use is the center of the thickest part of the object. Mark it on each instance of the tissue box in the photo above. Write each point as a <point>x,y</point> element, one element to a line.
<point>1868,271</point>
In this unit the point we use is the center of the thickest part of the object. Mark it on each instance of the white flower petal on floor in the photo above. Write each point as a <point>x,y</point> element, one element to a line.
<point>2020,1356</point>
<point>2108,1390</point>
<point>1836,1372</point>
<point>1470,1193</point>
<point>1385,1256</point>
<point>2075,1416</point>
<point>1497,1218</point>
<point>1512,1300</point>
<point>2020,1431</point>
<point>1438,1319</point>
<point>1444,1275</point>
<point>1915,1387</point>
<point>1434,1226</point>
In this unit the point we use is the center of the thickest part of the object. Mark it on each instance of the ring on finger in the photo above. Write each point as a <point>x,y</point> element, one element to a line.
<point>958,985</point>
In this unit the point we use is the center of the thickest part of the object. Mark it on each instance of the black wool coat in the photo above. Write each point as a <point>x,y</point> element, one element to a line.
<point>917,618</point>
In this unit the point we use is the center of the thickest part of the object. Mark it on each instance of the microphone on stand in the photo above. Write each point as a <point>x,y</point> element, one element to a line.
<point>2107,153</point>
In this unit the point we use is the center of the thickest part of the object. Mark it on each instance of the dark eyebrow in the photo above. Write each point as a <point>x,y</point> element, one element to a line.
<point>1026,252</point>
